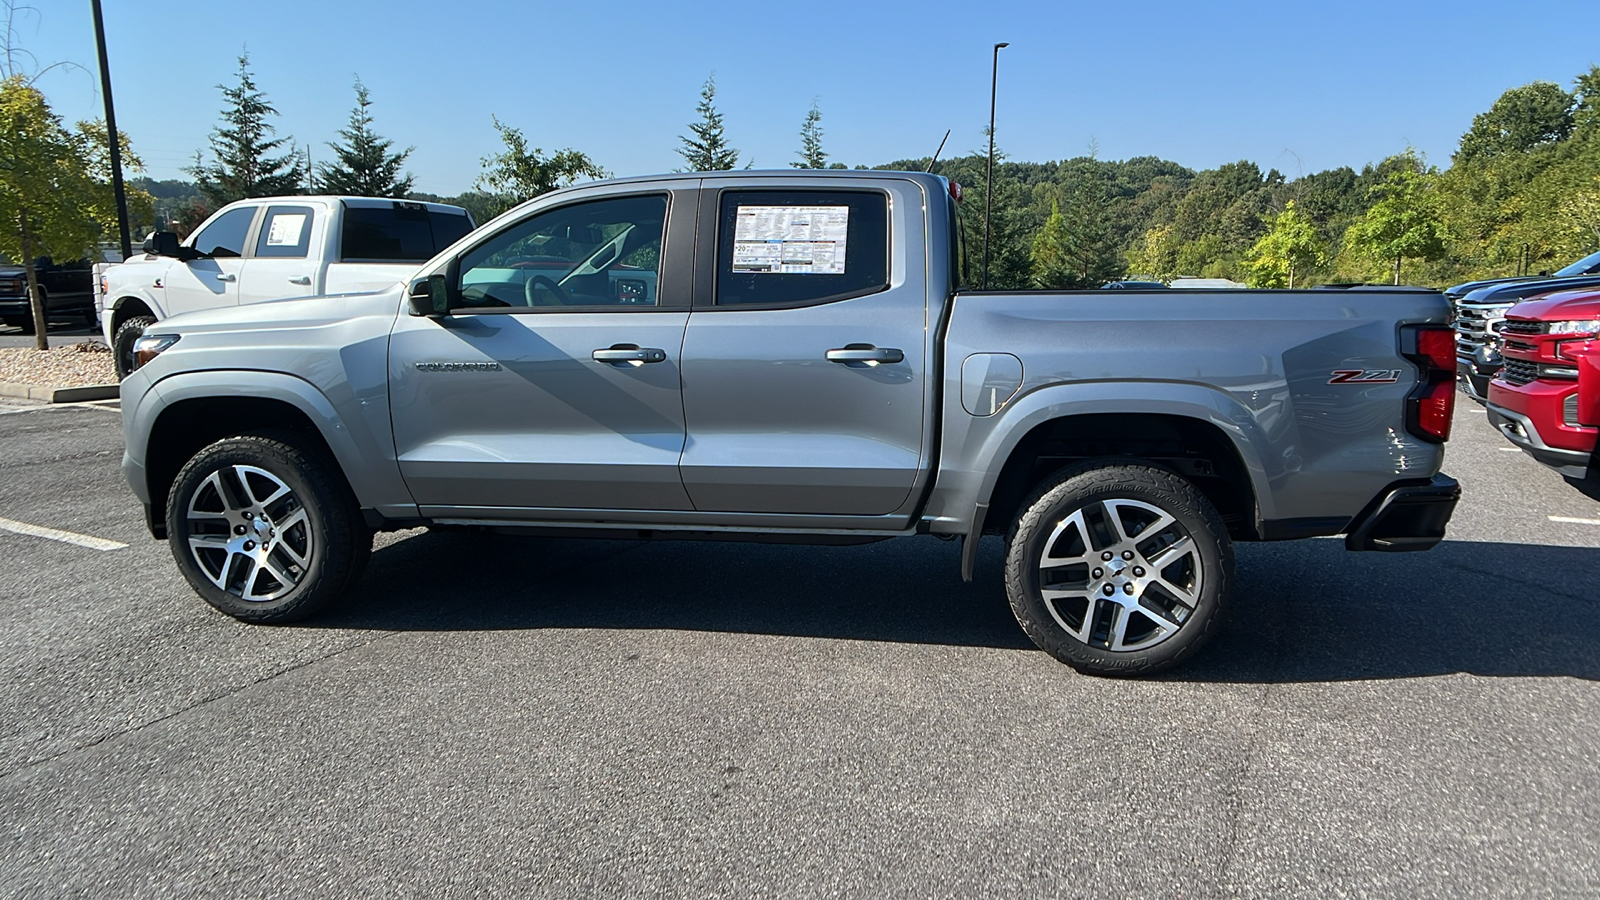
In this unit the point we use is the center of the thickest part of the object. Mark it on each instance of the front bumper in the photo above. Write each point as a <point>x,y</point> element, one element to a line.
<point>1406,517</point>
<point>1475,376</point>
<point>1520,430</point>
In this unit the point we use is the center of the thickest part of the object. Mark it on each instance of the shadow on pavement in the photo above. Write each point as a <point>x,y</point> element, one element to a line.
<point>1304,611</point>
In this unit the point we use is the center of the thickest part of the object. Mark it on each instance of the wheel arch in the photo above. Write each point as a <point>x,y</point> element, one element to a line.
<point>1174,425</point>
<point>195,409</point>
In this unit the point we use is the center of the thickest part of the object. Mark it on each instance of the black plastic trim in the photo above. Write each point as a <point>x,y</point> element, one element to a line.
<point>1406,517</point>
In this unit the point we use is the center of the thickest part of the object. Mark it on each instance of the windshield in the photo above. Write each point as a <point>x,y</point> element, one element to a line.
<point>1589,265</point>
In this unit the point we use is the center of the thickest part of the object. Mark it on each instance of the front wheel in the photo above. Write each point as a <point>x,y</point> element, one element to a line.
<point>122,341</point>
<point>1118,569</point>
<point>264,527</point>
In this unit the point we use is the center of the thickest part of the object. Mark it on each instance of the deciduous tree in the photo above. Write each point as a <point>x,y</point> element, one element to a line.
<point>1289,249</point>
<point>45,188</point>
<point>517,173</point>
<point>1402,224</point>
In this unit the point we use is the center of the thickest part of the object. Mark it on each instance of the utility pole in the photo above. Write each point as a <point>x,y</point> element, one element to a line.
<point>988,180</point>
<point>111,132</point>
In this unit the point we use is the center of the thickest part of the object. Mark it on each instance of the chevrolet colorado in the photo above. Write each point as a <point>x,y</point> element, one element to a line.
<point>790,356</point>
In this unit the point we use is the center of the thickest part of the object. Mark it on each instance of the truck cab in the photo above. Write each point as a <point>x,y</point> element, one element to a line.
<point>273,248</point>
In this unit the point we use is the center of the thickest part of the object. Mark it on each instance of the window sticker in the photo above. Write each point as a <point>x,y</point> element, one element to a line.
<point>790,240</point>
<point>284,231</point>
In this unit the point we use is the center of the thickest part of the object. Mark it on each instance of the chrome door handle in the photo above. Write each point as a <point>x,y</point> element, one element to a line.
<point>227,276</point>
<point>303,279</point>
<point>629,355</point>
<point>865,354</point>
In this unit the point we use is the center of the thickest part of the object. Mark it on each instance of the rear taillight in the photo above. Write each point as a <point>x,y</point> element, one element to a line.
<point>1431,404</point>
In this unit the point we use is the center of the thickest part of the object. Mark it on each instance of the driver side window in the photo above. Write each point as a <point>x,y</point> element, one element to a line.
<point>602,253</point>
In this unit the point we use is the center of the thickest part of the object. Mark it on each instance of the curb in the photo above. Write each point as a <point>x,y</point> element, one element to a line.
<point>60,394</point>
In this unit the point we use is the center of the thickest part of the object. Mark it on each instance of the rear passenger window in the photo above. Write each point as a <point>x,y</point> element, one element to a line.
<point>286,233</point>
<point>225,237</point>
<point>792,248</point>
<point>399,232</point>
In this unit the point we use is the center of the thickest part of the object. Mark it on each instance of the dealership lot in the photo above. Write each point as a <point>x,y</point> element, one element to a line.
<point>489,715</point>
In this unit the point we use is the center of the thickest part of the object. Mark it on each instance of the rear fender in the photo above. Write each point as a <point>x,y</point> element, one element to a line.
<point>974,456</point>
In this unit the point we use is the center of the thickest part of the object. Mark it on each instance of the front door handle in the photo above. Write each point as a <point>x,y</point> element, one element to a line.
<point>629,355</point>
<point>227,276</point>
<point>303,279</point>
<point>865,355</point>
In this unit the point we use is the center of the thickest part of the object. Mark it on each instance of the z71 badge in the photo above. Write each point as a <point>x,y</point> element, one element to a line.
<point>1364,376</point>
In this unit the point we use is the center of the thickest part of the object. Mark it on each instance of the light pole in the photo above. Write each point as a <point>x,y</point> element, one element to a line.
<point>111,133</point>
<point>988,179</point>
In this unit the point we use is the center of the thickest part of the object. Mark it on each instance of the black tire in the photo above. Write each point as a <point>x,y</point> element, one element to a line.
<point>122,341</point>
<point>1166,594</point>
<point>233,547</point>
<point>91,317</point>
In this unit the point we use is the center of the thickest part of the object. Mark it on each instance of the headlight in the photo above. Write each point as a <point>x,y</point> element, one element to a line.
<point>150,346</point>
<point>1575,326</point>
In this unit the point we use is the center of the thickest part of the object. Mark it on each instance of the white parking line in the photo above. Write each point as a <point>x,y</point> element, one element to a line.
<point>54,534</point>
<point>1573,520</point>
<point>1509,449</point>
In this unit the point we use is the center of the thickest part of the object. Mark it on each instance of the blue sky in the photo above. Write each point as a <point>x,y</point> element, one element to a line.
<point>1299,87</point>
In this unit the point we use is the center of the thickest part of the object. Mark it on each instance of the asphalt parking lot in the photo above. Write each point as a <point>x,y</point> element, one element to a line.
<point>491,716</point>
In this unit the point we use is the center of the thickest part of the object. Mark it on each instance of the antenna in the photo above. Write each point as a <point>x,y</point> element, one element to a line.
<point>937,152</point>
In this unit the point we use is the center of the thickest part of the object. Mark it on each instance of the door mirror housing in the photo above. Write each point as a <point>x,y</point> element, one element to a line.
<point>162,243</point>
<point>430,296</point>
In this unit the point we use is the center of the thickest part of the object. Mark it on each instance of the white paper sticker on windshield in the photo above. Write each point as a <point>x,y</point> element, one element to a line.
<point>804,240</point>
<point>285,230</point>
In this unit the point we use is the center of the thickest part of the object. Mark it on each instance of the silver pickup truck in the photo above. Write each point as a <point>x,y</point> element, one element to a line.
<point>789,356</point>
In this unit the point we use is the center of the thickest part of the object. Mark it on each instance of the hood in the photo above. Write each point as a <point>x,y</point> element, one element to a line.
<point>1583,304</point>
<point>300,312</point>
<point>1470,286</point>
<point>1521,290</point>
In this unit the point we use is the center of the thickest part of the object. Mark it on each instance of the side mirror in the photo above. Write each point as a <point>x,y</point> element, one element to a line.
<point>431,296</point>
<point>162,243</point>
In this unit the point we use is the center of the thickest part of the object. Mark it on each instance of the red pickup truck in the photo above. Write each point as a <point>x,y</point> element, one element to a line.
<point>1547,398</point>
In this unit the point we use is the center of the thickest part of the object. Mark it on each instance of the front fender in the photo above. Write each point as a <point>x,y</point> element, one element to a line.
<point>975,449</point>
<point>142,296</point>
<point>365,454</point>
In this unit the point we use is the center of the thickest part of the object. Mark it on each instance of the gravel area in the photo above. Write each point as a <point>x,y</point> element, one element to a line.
<point>73,365</point>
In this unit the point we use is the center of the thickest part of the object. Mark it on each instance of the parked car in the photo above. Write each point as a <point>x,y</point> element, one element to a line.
<point>1134,286</point>
<point>790,356</point>
<point>1543,400</point>
<point>1481,314</point>
<point>270,249</point>
<point>68,290</point>
<point>1589,265</point>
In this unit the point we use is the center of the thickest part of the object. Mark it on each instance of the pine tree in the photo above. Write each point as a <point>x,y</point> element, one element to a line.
<point>811,153</point>
<point>363,165</point>
<point>243,147</point>
<point>708,150</point>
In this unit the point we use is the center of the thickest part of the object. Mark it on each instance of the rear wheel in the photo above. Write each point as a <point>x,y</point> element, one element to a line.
<point>122,341</point>
<point>264,528</point>
<point>1118,569</point>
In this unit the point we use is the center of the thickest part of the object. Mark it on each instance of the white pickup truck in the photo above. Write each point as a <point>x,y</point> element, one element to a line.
<point>272,248</point>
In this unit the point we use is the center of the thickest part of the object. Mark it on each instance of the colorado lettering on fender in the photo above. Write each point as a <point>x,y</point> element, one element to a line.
<point>458,366</point>
<point>1365,376</point>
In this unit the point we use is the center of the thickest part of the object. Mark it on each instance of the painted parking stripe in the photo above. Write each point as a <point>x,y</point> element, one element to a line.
<point>54,534</point>
<point>1573,520</point>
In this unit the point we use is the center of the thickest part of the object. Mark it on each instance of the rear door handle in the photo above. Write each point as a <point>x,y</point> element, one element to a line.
<point>227,276</point>
<point>629,355</point>
<point>303,279</point>
<point>865,354</point>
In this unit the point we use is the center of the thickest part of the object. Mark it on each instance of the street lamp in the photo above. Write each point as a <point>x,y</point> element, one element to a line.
<point>988,180</point>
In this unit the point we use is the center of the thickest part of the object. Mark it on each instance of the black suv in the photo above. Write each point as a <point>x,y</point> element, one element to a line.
<point>68,291</point>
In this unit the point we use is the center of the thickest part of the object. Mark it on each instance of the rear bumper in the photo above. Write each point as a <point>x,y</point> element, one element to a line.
<point>1520,430</point>
<point>1406,517</point>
